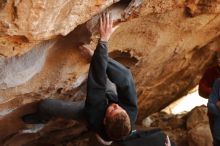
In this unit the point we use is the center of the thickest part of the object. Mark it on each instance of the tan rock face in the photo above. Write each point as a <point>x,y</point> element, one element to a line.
<point>198,128</point>
<point>173,125</point>
<point>18,70</point>
<point>14,45</point>
<point>200,135</point>
<point>166,49</point>
<point>197,115</point>
<point>158,78</point>
<point>196,7</point>
<point>189,129</point>
<point>40,20</point>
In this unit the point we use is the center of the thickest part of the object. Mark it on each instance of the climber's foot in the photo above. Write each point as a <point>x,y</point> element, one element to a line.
<point>34,118</point>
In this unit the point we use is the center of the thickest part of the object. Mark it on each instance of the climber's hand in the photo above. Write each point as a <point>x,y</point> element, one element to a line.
<point>106,26</point>
<point>167,143</point>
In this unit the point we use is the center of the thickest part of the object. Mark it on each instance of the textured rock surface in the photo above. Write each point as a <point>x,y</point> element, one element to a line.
<point>18,70</point>
<point>198,128</point>
<point>158,78</point>
<point>189,129</point>
<point>172,125</point>
<point>167,44</point>
<point>45,19</point>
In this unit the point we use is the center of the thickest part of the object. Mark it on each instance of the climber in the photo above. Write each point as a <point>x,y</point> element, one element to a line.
<point>205,87</point>
<point>110,109</point>
<point>214,108</point>
<point>110,112</point>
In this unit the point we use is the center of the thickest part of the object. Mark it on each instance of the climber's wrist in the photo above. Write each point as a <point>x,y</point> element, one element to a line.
<point>104,39</point>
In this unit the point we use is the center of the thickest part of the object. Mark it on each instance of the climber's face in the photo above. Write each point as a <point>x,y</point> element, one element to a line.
<point>113,110</point>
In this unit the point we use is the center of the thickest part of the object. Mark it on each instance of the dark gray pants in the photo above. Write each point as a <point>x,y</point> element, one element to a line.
<point>56,108</point>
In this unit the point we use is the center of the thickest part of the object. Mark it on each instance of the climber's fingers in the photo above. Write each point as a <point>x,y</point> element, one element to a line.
<point>107,20</point>
<point>104,20</point>
<point>111,21</point>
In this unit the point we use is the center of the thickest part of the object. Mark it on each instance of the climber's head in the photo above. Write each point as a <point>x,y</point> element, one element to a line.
<point>117,122</point>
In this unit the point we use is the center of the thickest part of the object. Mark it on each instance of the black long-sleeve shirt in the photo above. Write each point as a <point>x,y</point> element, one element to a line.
<point>98,99</point>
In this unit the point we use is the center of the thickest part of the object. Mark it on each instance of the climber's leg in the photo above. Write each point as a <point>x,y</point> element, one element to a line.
<point>55,108</point>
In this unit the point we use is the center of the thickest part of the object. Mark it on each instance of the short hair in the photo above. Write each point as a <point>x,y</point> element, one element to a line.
<point>118,127</point>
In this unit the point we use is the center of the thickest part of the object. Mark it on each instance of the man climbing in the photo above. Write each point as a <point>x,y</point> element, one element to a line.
<point>111,103</point>
<point>110,108</point>
<point>206,88</point>
<point>111,113</point>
